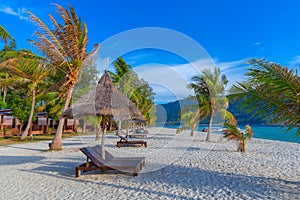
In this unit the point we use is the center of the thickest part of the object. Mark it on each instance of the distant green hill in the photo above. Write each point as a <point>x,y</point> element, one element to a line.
<point>169,113</point>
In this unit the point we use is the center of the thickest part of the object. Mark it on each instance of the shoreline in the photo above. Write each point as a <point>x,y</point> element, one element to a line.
<point>268,133</point>
<point>176,168</point>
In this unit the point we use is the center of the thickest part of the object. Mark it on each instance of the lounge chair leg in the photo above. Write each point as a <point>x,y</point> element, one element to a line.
<point>77,172</point>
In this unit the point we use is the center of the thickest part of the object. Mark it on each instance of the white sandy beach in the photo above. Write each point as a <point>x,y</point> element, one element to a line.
<point>177,167</point>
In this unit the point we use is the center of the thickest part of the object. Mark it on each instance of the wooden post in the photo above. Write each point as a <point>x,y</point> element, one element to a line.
<point>119,127</point>
<point>47,124</point>
<point>2,121</point>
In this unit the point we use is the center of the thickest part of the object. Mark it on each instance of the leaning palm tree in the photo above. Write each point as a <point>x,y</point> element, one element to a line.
<point>31,69</point>
<point>65,50</point>
<point>209,89</point>
<point>271,91</point>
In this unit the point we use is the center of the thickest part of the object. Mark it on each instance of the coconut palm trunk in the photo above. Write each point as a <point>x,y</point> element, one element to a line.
<point>57,141</point>
<point>209,126</point>
<point>20,129</point>
<point>192,132</point>
<point>4,93</point>
<point>242,147</point>
<point>25,133</point>
<point>193,127</point>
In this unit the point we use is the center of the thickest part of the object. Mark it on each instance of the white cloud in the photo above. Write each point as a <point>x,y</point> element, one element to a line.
<point>167,83</point>
<point>170,81</point>
<point>131,60</point>
<point>294,62</point>
<point>256,43</point>
<point>20,12</point>
<point>235,71</point>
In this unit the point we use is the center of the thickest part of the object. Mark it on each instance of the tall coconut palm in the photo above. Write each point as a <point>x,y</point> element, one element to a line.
<point>209,88</point>
<point>65,50</point>
<point>271,91</point>
<point>32,69</point>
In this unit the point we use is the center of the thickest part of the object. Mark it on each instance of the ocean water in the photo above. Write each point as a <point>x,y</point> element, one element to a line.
<point>265,132</point>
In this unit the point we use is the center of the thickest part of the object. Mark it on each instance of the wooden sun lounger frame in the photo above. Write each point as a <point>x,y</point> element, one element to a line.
<point>124,141</point>
<point>94,161</point>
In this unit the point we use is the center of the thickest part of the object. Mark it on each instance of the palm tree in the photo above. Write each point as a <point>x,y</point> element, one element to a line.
<point>190,119</point>
<point>193,114</point>
<point>4,35</point>
<point>138,91</point>
<point>65,50</point>
<point>32,69</point>
<point>232,132</point>
<point>271,91</point>
<point>6,81</point>
<point>125,79</point>
<point>209,89</point>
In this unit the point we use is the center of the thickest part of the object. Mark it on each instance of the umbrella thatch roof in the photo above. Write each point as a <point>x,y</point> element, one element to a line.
<point>105,99</point>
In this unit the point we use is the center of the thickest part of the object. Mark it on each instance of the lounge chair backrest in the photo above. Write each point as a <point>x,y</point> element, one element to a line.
<point>123,139</point>
<point>108,156</point>
<point>95,157</point>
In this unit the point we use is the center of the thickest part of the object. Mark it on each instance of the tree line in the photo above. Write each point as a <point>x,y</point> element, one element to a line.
<point>31,83</point>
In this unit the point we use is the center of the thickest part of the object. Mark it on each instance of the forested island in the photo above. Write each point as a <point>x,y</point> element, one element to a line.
<point>169,113</point>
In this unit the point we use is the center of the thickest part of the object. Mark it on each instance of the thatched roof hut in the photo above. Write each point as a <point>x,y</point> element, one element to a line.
<point>104,100</point>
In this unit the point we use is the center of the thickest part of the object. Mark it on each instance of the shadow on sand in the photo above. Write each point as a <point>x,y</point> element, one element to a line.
<point>17,160</point>
<point>187,179</point>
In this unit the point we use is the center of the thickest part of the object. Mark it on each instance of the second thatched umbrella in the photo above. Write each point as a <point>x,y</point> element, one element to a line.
<point>105,101</point>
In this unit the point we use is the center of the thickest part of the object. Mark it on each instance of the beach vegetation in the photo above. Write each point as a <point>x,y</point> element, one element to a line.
<point>20,105</point>
<point>271,92</point>
<point>137,90</point>
<point>31,69</point>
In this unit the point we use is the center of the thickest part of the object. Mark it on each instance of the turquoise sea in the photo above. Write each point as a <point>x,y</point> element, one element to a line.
<point>265,132</point>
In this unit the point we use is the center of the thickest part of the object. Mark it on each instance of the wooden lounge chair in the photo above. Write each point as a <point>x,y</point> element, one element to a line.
<point>138,134</point>
<point>124,141</point>
<point>94,161</point>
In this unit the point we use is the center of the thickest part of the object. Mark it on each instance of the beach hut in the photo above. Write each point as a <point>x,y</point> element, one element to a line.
<point>40,125</point>
<point>107,102</point>
<point>6,120</point>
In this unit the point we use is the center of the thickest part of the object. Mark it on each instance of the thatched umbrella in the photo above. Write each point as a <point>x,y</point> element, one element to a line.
<point>105,100</point>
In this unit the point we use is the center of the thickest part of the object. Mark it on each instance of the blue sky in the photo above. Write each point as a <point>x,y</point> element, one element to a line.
<point>230,31</point>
